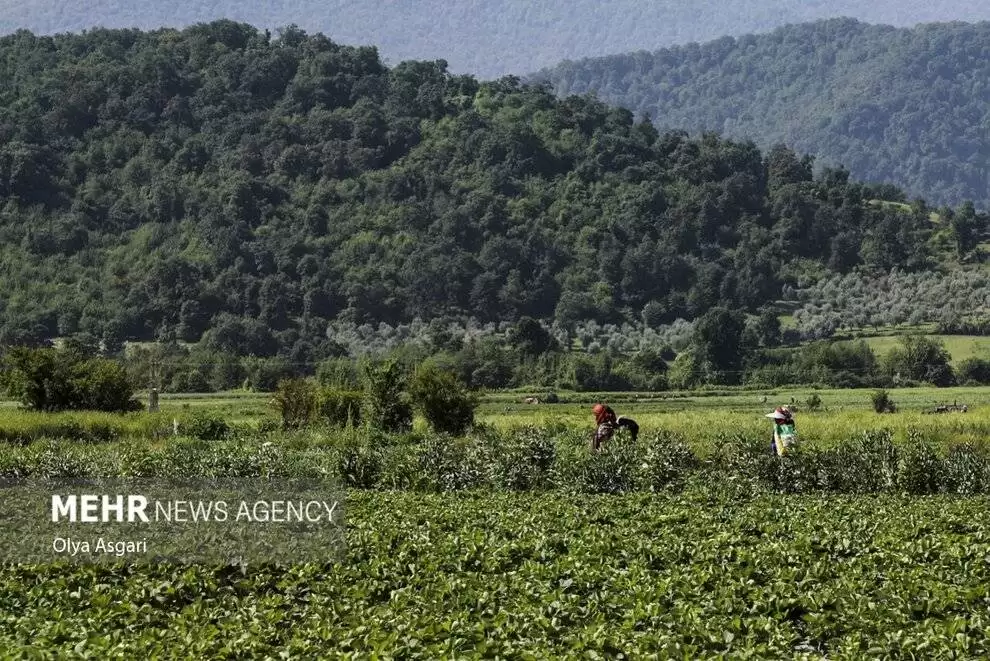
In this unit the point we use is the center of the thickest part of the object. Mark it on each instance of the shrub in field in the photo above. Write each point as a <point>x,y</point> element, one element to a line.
<point>296,401</point>
<point>967,470</point>
<point>746,459</point>
<point>922,468</point>
<point>442,399</point>
<point>524,459</point>
<point>881,456</point>
<point>340,407</point>
<point>801,470</point>
<point>814,402</point>
<point>400,469</point>
<point>868,464</point>
<point>881,401</point>
<point>103,385</point>
<point>359,464</point>
<point>668,461</point>
<point>451,464</point>
<point>386,404</point>
<point>615,469</point>
<point>974,371</point>
<point>206,426</point>
<point>338,373</point>
<point>56,380</point>
<point>921,359</point>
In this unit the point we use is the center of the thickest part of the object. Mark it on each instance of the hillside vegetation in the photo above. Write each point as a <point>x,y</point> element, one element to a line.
<point>170,184</point>
<point>487,38</point>
<point>908,106</point>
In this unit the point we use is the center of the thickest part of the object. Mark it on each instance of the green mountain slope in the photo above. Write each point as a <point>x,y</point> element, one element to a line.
<point>910,107</point>
<point>487,38</point>
<point>167,184</point>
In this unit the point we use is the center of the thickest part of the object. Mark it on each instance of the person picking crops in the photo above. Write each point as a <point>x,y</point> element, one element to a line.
<point>784,434</point>
<point>607,424</point>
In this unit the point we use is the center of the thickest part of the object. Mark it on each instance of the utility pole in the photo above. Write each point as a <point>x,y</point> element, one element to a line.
<point>154,385</point>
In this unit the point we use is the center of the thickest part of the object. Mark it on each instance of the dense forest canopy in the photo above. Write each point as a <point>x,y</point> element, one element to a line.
<point>487,38</point>
<point>908,106</point>
<point>221,184</point>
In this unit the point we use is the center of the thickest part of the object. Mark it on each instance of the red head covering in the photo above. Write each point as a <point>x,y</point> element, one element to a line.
<point>602,413</point>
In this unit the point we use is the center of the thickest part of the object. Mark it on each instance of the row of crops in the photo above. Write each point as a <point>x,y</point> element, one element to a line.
<point>519,543</point>
<point>530,459</point>
<point>527,575</point>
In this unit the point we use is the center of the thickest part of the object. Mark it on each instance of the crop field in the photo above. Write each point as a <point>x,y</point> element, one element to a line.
<point>871,541</point>
<point>544,576</point>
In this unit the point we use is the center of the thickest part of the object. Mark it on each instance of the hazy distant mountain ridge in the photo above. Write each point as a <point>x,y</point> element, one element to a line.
<point>491,38</point>
<point>908,106</point>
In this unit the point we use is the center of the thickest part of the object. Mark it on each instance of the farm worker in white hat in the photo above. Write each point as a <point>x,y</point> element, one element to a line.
<point>784,435</point>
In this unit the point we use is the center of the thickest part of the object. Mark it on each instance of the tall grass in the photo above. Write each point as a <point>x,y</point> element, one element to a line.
<point>21,427</point>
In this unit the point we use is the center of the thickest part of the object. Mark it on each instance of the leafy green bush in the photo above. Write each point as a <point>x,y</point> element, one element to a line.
<point>967,470</point>
<point>338,374</point>
<point>451,464</point>
<point>922,469</point>
<point>974,371</point>
<point>400,469</point>
<point>746,459</point>
<point>881,401</point>
<point>614,469</point>
<point>340,407</point>
<point>359,465</point>
<point>814,402</point>
<point>386,404</point>
<point>525,459</point>
<point>206,426</point>
<point>296,402</point>
<point>57,380</point>
<point>443,400</point>
<point>868,464</point>
<point>668,461</point>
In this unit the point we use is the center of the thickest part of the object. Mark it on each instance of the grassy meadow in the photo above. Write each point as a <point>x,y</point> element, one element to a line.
<point>960,347</point>
<point>698,416</point>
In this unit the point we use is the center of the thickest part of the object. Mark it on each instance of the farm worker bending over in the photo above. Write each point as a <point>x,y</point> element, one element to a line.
<point>608,424</point>
<point>784,435</point>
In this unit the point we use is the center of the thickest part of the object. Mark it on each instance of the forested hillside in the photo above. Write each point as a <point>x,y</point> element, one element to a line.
<point>905,106</point>
<point>487,38</point>
<point>167,184</point>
